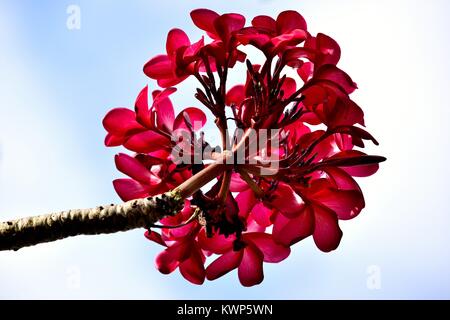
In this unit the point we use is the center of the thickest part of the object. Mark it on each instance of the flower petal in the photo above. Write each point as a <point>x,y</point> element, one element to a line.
<point>193,269</point>
<point>196,116</point>
<point>228,23</point>
<point>262,214</point>
<point>141,108</point>
<point>246,201</point>
<point>224,264</point>
<point>290,231</point>
<point>290,20</point>
<point>159,67</point>
<point>250,270</point>
<point>120,121</point>
<point>332,73</point>
<point>147,141</point>
<point>272,251</point>
<point>327,234</point>
<point>204,19</point>
<point>134,169</point>
<point>265,24</point>
<point>163,107</point>
<point>285,200</point>
<point>176,39</point>
<point>235,95</point>
<point>218,243</point>
<point>129,189</point>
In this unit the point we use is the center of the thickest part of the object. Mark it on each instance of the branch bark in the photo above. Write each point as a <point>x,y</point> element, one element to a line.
<point>141,213</point>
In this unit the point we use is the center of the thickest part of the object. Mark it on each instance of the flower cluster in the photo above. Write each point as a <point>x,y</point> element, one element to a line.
<point>299,183</point>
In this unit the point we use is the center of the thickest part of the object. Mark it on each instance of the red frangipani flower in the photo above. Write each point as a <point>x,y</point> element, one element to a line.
<point>286,173</point>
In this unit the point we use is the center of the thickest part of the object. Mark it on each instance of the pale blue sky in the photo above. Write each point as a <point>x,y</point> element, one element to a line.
<point>56,85</point>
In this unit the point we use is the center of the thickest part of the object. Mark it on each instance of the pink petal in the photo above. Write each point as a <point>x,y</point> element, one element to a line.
<point>272,251</point>
<point>134,169</point>
<point>290,20</point>
<point>265,24</point>
<point>204,19</point>
<point>141,108</point>
<point>306,71</point>
<point>155,237</point>
<point>120,121</point>
<point>235,95</point>
<point>176,39</point>
<point>168,260</point>
<point>163,107</point>
<point>246,201</point>
<point>129,189</point>
<point>347,204</point>
<point>217,244</point>
<point>196,116</point>
<point>147,141</point>
<point>114,141</point>
<point>159,67</point>
<point>193,269</point>
<point>357,171</point>
<point>285,200</point>
<point>237,184</point>
<point>262,214</point>
<point>224,264</point>
<point>327,234</point>
<point>171,80</point>
<point>250,270</point>
<point>290,231</point>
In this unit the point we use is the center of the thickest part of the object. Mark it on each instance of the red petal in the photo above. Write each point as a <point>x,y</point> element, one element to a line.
<point>262,214</point>
<point>129,189</point>
<point>237,184</point>
<point>224,264</point>
<point>290,20</point>
<point>347,204</point>
<point>228,23</point>
<point>327,234</point>
<point>290,231</point>
<point>159,67</point>
<point>265,24</point>
<point>193,269</point>
<point>357,171</point>
<point>114,141</point>
<point>141,108</point>
<point>134,169</point>
<point>155,237</point>
<point>289,87</point>
<point>246,201</point>
<point>176,38</point>
<point>331,52</point>
<point>168,260</point>
<point>217,244</point>
<point>285,200</point>
<point>332,73</point>
<point>204,19</point>
<point>163,107</point>
<point>120,121</point>
<point>235,95</point>
<point>250,270</point>
<point>147,141</point>
<point>196,116</point>
<point>272,251</point>
<point>305,71</point>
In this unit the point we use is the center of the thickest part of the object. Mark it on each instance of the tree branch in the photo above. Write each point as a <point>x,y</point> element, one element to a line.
<point>140,213</point>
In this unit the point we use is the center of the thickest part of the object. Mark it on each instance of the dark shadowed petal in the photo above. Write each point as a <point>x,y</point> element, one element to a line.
<point>176,38</point>
<point>147,141</point>
<point>129,189</point>
<point>327,234</point>
<point>332,73</point>
<point>272,251</point>
<point>265,24</point>
<point>246,201</point>
<point>290,231</point>
<point>250,270</point>
<point>364,170</point>
<point>224,264</point>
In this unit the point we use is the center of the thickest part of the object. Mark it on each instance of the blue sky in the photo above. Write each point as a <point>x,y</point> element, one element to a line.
<point>56,85</point>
